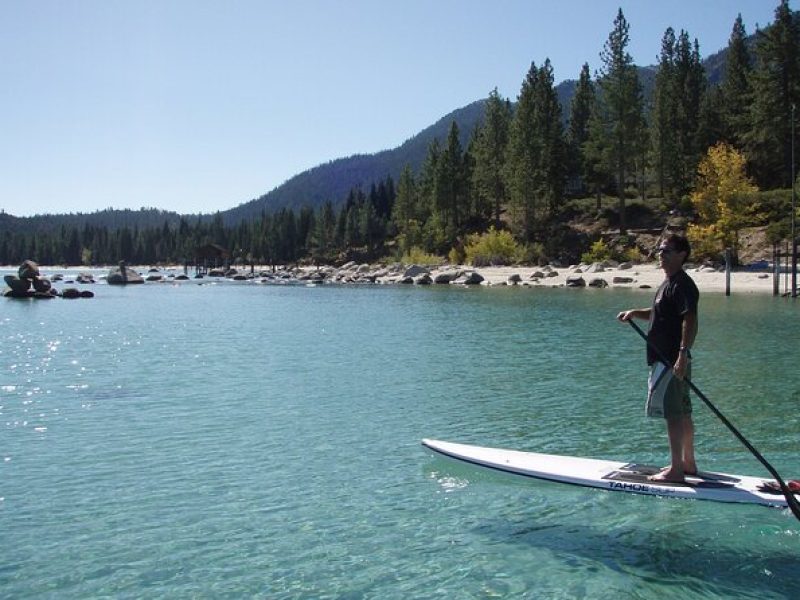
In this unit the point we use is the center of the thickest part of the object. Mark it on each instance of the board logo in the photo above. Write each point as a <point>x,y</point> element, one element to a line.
<point>637,487</point>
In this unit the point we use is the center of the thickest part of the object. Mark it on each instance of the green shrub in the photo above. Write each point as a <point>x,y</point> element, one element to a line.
<point>417,256</point>
<point>531,254</point>
<point>599,252</point>
<point>491,248</point>
<point>632,254</point>
<point>456,256</point>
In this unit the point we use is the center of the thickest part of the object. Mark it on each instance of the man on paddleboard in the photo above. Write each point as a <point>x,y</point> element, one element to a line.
<point>673,327</point>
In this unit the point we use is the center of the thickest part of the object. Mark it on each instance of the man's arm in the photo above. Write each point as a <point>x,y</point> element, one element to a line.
<point>636,313</point>
<point>688,333</point>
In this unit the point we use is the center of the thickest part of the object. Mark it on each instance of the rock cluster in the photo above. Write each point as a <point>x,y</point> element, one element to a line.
<point>396,273</point>
<point>400,274</point>
<point>29,283</point>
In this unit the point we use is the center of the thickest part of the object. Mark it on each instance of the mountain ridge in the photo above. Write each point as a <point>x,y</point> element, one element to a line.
<point>333,180</point>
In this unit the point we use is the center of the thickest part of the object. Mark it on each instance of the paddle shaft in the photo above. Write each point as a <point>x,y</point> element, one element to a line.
<point>790,499</point>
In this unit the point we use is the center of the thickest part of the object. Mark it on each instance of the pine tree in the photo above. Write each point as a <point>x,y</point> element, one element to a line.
<point>427,180</point>
<point>450,190</point>
<point>305,229</point>
<point>581,109</point>
<point>322,239</point>
<point>523,148</point>
<point>551,162</point>
<point>596,151</point>
<point>735,89</point>
<point>490,156</point>
<point>664,118</point>
<point>405,213</point>
<point>623,97</point>
<point>776,89</point>
<point>691,91</point>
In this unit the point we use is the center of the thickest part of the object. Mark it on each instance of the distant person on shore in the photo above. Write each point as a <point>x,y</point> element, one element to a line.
<point>673,327</point>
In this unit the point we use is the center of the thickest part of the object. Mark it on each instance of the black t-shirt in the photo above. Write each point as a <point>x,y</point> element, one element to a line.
<point>676,297</point>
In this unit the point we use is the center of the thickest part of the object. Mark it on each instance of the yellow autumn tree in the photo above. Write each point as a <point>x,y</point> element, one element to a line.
<point>723,198</point>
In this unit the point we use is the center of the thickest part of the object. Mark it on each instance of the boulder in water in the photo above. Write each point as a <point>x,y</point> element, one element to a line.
<point>575,281</point>
<point>28,270</point>
<point>123,275</point>
<point>42,285</point>
<point>18,285</point>
<point>598,282</point>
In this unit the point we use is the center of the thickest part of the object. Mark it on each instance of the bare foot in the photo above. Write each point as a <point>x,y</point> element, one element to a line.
<point>690,472</point>
<point>667,475</point>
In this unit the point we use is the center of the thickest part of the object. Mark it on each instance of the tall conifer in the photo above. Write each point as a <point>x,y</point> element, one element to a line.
<point>623,97</point>
<point>490,157</point>
<point>664,118</point>
<point>523,147</point>
<point>776,88</point>
<point>736,89</point>
<point>580,114</point>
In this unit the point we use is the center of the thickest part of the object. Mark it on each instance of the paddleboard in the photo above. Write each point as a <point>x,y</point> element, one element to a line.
<point>610,475</point>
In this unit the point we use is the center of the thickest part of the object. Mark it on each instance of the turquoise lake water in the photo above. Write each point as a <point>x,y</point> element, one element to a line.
<point>242,440</point>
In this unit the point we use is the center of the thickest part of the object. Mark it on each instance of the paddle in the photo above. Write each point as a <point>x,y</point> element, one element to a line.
<point>790,499</point>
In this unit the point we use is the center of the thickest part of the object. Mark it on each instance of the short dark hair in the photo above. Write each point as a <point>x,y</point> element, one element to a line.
<point>680,244</point>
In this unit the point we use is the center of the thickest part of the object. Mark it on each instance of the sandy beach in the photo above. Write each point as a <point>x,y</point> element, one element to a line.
<point>642,276</point>
<point>645,277</point>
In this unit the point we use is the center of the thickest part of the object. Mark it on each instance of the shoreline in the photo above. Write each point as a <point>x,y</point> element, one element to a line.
<point>646,276</point>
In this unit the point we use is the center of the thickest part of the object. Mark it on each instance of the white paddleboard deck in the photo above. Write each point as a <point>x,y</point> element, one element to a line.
<point>611,475</point>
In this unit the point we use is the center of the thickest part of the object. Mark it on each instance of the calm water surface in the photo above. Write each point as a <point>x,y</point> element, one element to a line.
<point>241,440</point>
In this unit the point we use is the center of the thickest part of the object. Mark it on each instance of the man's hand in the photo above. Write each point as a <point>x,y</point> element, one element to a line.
<point>681,365</point>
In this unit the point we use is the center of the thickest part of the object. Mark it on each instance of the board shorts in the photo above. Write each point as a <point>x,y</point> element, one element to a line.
<point>667,396</point>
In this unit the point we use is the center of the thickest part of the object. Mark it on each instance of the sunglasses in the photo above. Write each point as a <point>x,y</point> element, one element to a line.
<point>665,250</point>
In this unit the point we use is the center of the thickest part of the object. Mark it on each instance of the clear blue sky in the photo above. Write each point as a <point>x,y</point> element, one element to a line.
<point>198,106</point>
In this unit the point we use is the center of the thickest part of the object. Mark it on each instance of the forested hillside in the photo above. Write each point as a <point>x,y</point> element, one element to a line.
<point>109,218</point>
<point>332,181</point>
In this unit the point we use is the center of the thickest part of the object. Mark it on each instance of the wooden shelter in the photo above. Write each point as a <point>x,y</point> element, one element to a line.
<point>210,256</point>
